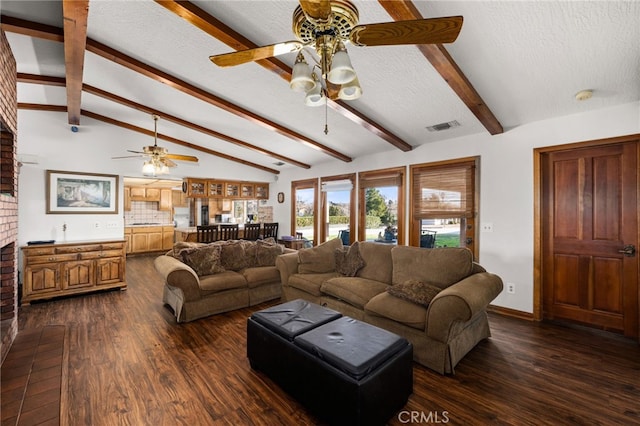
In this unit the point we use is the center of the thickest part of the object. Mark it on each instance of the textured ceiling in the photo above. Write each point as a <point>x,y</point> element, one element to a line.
<point>525,59</point>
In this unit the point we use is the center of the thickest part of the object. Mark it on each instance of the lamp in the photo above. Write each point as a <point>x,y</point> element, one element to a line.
<point>341,69</point>
<point>148,169</point>
<point>351,90</point>
<point>315,97</point>
<point>301,80</point>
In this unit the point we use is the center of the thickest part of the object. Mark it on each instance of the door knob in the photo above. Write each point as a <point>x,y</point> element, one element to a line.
<point>628,250</point>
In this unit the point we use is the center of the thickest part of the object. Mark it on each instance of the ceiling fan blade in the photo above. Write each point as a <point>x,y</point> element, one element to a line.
<point>168,162</point>
<point>181,157</point>
<point>136,152</point>
<point>317,10</point>
<point>127,156</point>
<point>419,31</point>
<point>255,54</point>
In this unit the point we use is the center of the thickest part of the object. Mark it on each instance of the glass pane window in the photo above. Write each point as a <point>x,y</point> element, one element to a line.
<point>305,212</point>
<point>381,214</point>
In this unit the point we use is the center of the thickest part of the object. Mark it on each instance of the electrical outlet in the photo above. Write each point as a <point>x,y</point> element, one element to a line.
<point>486,227</point>
<point>112,225</point>
<point>511,288</point>
<point>96,225</point>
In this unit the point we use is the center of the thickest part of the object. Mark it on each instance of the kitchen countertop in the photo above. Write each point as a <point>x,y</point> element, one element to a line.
<point>194,228</point>
<point>138,225</point>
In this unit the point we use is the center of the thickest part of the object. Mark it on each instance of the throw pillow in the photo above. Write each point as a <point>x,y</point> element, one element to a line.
<point>415,291</point>
<point>267,253</point>
<point>233,256</point>
<point>319,259</point>
<point>203,260</point>
<point>348,260</point>
<point>182,245</point>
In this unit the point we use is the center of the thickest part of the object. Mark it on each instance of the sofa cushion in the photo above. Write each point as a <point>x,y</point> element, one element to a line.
<point>377,259</point>
<point>260,275</point>
<point>310,282</point>
<point>203,260</point>
<point>399,310</point>
<point>181,245</point>
<point>319,259</point>
<point>223,281</point>
<point>415,291</point>
<point>353,290</point>
<point>348,260</point>
<point>440,267</point>
<point>267,252</point>
<point>233,256</point>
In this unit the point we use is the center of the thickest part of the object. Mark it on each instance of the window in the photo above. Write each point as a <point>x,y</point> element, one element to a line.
<point>381,205</point>
<point>337,198</point>
<point>243,208</point>
<point>444,204</point>
<point>304,209</point>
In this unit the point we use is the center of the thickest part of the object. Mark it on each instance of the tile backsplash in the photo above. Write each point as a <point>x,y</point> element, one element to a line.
<point>146,212</point>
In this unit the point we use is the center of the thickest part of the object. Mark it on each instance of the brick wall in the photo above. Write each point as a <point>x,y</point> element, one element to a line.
<point>8,197</point>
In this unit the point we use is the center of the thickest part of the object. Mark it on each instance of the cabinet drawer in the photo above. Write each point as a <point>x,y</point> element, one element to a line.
<point>78,249</point>
<point>39,251</point>
<point>112,246</point>
<point>33,260</point>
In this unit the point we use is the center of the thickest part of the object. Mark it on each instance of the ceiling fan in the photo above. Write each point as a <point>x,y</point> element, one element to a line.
<point>159,160</point>
<point>329,25</point>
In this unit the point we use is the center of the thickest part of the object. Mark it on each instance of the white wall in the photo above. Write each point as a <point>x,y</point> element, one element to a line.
<point>47,135</point>
<point>506,184</point>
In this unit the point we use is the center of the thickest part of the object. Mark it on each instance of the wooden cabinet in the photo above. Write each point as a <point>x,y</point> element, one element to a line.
<point>196,188</point>
<point>127,199</point>
<point>52,270</point>
<point>179,199</point>
<point>167,237</point>
<point>262,191</point>
<point>247,190</point>
<point>145,239</point>
<point>166,203</point>
<point>127,239</point>
<point>221,189</point>
<point>232,189</point>
<point>144,194</point>
<point>215,189</point>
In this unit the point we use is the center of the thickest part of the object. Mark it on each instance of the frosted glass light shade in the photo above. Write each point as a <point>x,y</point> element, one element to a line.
<point>315,97</point>
<point>301,80</point>
<point>148,168</point>
<point>341,70</point>
<point>351,90</point>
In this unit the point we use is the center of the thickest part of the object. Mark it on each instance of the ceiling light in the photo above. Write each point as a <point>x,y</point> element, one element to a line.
<point>148,169</point>
<point>315,96</point>
<point>583,95</point>
<point>350,90</point>
<point>301,80</point>
<point>341,69</point>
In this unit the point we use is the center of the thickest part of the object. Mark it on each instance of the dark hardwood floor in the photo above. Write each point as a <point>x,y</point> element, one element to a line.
<point>129,363</point>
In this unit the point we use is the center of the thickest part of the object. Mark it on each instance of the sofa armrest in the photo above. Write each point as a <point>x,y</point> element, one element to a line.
<point>460,302</point>
<point>179,275</point>
<point>287,264</point>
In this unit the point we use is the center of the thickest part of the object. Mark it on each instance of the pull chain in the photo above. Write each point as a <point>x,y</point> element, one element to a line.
<point>326,125</point>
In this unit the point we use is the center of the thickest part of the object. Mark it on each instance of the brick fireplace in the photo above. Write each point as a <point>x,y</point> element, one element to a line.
<point>8,198</point>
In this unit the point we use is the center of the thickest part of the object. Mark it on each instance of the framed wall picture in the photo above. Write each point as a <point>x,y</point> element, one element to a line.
<point>281,197</point>
<point>81,193</point>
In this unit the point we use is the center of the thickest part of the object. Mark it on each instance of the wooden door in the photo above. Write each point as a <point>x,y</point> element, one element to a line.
<point>78,274</point>
<point>589,215</point>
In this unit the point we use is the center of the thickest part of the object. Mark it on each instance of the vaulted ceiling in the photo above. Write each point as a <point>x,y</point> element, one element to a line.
<point>117,62</point>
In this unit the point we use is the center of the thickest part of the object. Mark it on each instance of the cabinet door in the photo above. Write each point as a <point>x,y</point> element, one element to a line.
<point>196,188</point>
<point>109,270</point>
<point>167,238</point>
<point>41,278</point>
<point>137,193</point>
<point>155,241</point>
<point>247,190</point>
<point>215,189</point>
<point>152,194</point>
<point>139,243</point>
<point>232,189</point>
<point>165,200</point>
<point>178,199</point>
<point>127,243</point>
<point>262,191</point>
<point>78,274</point>
<point>127,199</point>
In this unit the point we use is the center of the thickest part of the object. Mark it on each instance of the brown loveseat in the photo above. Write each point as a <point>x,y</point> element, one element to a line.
<point>206,279</point>
<point>385,285</point>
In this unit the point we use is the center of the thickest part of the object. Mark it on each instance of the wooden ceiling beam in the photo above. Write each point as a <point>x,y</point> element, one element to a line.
<point>32,29</point>
<point>401,10</point>
<point>60,81</point>
<point>74,14</point>
<point>37,30</point>
<point>151,133</point>
<point>217,29</point>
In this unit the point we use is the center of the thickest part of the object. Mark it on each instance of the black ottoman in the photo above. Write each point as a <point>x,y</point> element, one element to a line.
<point>343,370</point>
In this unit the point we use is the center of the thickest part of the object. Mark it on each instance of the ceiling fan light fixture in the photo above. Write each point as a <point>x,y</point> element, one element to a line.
<point>351,90</point>
<point>341,69</point>
<point>148,169</point>
<point>315,97</point>
<point>301,80</point>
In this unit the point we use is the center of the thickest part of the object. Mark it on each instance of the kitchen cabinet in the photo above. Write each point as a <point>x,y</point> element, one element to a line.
<point>167,237</point>
<point>232,189</point>
<point>127,239</point>
<point>127,199</point>
<point>146,239</point>
<point>144,194</point>
<point>262,191</point>
<point>166,202</point>
<point>196,188</point>
<point>179,199</point>
<point>247,190</point>
<point>223,189</point>
<point>215,189</point>
<point>60,269</point>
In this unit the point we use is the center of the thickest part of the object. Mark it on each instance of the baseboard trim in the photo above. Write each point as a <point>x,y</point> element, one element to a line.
<point>511,312</point>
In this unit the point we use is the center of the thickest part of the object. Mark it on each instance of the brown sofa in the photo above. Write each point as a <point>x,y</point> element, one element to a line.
<point>219,277</point>
<point>442,331</point>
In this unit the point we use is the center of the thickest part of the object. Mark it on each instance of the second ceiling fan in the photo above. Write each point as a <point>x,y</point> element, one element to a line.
<point>328,26</point>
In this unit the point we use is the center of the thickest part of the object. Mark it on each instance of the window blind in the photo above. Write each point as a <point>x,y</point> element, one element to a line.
<point>443,191</point>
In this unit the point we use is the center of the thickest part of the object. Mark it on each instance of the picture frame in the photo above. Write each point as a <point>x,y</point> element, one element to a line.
<point>81,193</point>
<point>281,197</point>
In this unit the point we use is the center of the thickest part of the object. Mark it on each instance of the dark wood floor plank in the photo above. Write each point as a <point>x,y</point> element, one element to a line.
<point>130,363</point>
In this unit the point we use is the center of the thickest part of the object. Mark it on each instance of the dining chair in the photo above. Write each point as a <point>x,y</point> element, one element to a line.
<point>207,233</point>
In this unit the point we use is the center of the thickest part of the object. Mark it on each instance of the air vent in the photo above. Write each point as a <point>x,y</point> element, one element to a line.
<point>443,126</point>
<point>279,163</point>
